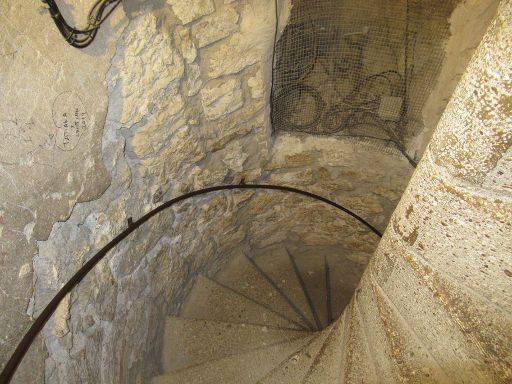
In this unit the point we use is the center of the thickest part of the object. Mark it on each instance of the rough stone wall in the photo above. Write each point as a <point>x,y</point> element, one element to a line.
<point>183,112</point>
<point>441,276</point>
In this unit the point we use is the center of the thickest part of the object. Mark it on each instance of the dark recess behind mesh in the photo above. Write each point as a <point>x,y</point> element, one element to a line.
<point>361,69</point>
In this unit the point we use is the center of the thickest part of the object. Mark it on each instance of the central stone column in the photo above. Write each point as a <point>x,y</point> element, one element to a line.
<point>438,290</point>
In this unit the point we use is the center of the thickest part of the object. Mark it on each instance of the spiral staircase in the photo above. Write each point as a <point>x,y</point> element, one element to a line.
<point>273,317</point>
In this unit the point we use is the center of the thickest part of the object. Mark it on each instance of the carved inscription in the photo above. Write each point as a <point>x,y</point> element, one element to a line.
<point>71,120</point>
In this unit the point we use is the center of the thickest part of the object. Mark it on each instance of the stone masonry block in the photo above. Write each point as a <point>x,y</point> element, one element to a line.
<point>221,97</point>
<point>216,26</point>
<point>188,11</point>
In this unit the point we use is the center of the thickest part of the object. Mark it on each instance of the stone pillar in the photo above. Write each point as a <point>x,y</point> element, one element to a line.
<point>438,292</point>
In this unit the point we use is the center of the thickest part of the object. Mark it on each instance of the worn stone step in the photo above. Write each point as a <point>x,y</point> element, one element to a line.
<point>357,364</point>
<point>380,349</point>
<point>209,300</point>
<point>276,264</point>
<point>345,271</point>
<point>246,368</point>
<point>294,369</point>
<point>404,342</point>
<point>312,270</point>
<point>326,367</point>
<point>190,342</point>
<point>244,276</point>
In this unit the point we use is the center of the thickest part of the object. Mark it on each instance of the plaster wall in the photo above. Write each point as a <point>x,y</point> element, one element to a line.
<point>45,166</point>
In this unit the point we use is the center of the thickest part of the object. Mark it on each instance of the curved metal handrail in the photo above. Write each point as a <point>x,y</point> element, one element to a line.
<point>38,324</point>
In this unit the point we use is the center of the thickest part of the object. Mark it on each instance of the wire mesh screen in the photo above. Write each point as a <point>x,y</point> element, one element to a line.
<point>358,68</point>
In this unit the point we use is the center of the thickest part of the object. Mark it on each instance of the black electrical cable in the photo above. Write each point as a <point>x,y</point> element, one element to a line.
<point>293,95</point>
<point>301,56</point>
<point>81,38</point>
<point>272,85</point>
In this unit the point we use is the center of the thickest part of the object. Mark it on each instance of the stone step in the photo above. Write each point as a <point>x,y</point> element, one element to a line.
<point>357,360</point>
<point>408,351</point>
<point>246,368</point>
<point>209,300</point>
<point>276,264</point>
<point>190,342</point>
<point>326,367</point>
<point>294,369</point>
<point>345,271</point>
<point>312,270</point>
<point>385,368</point>
<point>244,276</point>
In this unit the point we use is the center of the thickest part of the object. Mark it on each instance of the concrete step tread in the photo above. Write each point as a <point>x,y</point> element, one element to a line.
<point>381,350</point>
<point>312,270</point>
<point>276,264</point>
<point>246,368</point>
<point>244,276</point>
<point>209,300</point>
<point>326,367</point>
<point>410,345</point>
<point>294,369</point>
<point>190,342</point>
<point>345,270</point>
<point>357,367</point>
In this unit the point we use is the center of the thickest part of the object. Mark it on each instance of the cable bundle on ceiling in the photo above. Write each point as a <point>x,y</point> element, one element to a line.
<point>81,38</point>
